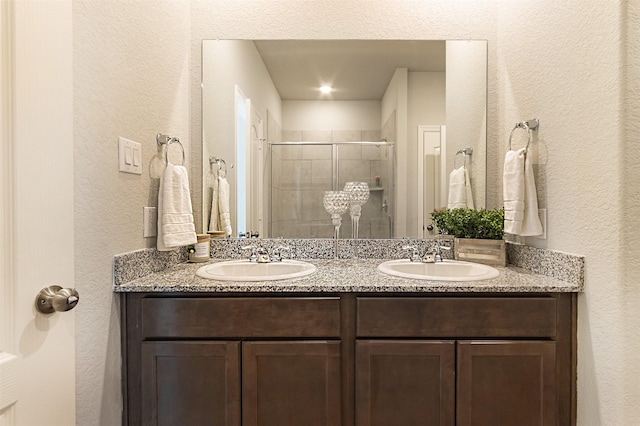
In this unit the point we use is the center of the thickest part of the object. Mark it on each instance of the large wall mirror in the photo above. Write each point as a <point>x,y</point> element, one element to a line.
<point>406,117</point>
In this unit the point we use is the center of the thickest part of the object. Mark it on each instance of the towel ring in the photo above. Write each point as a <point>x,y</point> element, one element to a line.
<point>529,126</point>
<point>222,165</point>
<point>168,140</point>
<point>464,152</point>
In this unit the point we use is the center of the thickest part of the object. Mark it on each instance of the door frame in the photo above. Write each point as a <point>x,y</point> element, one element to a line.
<point>442,131</point>
<point>9,363</point>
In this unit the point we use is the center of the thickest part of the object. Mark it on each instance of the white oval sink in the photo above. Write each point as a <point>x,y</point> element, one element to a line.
<point>243,270</point>
<point>448,270</point>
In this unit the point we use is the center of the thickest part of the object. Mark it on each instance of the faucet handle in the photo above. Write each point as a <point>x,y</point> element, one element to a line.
<point>277,252</point>
<point>414,256</point>
<point>254,252</point>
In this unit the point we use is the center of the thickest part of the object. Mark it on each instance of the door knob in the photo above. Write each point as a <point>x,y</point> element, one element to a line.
<point>55,298</point>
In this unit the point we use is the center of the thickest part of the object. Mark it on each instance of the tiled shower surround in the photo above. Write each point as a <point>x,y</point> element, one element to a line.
<point>301,174</point>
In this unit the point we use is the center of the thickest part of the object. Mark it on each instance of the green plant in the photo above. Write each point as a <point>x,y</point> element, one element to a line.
<point>469,223</point>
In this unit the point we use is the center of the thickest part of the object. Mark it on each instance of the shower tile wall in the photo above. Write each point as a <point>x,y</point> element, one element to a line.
<point>301,174</point>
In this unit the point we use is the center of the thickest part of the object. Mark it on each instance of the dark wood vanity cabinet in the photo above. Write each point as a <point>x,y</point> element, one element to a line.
<point>349,359</point>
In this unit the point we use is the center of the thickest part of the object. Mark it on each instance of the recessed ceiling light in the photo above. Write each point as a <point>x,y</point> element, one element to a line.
<point>326,89</point>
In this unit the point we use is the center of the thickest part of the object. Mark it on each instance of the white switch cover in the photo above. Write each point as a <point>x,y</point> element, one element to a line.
<point>150,222</point>
<point>129,156</point>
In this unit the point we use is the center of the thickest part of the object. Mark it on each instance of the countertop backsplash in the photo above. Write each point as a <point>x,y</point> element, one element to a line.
<point>137,264</point>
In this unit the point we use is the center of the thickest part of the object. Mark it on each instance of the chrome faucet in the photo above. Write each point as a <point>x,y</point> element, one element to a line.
<point>261,255</point>
<point>277,253</point>
<point>414,256</point>
<point>258,254</point>
<point>436,252</point>
<point>430,255</point>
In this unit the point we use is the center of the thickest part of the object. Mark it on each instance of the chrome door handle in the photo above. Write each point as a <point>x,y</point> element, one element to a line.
<point>55,298</point>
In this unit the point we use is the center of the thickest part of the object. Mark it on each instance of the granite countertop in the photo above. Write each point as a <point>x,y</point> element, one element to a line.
<point>342,276</point>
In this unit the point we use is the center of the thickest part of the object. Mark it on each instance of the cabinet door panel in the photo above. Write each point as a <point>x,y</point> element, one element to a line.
<point>506,383</point>
<point>291,383</point>
<point>191,383</point>
<point>405,383</point>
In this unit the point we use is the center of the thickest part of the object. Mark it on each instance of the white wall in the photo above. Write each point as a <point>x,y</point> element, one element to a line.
<point>330,115</point>
<point>225,64</point>
<point>395,102</point>
<point>131,79</point>
<point>563,65</point>
<point>466,109</point>
<point>426,105</point>
<point>572,64</point>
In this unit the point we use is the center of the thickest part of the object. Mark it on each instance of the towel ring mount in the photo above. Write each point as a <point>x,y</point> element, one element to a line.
<point>464,152</point>
<point>529,126</point>
<point>168,140</point>
<point>222,165</point>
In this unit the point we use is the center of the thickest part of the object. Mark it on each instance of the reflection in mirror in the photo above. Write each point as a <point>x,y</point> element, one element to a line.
<point>396,115</point>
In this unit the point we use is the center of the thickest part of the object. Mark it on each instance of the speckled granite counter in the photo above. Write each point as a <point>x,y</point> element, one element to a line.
<point>345,275</point>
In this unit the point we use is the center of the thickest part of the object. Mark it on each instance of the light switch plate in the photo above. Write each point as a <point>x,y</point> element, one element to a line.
<point>129,156</point>
<point>150,222</point>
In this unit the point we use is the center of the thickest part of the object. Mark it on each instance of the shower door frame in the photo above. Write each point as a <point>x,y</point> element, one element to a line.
<point>335,172</point>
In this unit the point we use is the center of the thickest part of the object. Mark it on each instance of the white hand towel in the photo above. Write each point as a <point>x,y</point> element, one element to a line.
<point>513,191</point>
<point>531,225</point>
<point>457,189</point>
<point>467,187</point>
<point>175,214</point>
<point>214,217</point>
<point>223,205</point>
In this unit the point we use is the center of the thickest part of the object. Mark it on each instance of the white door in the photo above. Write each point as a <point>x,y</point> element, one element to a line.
<point>432,173</point>
<point>37,351</point>
<point>257,178</point>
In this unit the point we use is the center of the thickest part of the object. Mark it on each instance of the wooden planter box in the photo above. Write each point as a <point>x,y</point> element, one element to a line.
<point>489,252</point>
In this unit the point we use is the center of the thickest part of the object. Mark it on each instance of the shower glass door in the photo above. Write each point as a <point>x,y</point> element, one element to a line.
<point>302,171</point>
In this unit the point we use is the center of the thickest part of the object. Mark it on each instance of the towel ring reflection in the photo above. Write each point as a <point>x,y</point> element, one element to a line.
<point>464,152</point>
<point>529,126</point>
<point>168,140</point>
<point>222,165</point>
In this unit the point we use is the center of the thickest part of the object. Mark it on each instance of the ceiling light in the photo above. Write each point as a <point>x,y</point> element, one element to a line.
<point>326,89</point>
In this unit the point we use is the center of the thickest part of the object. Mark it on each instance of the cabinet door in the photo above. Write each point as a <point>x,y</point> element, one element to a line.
<point>405,383</point>
<point>291,383</point>
<point>191,383</point>
<point>506,383</point>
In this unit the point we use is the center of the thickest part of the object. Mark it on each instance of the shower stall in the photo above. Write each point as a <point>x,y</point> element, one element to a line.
<point>302,171</point>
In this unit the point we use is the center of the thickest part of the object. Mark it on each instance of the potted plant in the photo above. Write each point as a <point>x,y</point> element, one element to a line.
<point>478,233</point>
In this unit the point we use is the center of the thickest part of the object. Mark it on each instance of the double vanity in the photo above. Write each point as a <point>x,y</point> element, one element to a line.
<point>350,341</point>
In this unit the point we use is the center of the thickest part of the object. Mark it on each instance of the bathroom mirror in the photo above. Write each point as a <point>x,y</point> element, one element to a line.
<point>399,115</point>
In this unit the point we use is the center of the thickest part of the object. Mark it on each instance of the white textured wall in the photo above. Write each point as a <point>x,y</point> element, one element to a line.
<point>563,65</point>
<point>131,79</point>
<point>630,220</point>
<point>562,62</point>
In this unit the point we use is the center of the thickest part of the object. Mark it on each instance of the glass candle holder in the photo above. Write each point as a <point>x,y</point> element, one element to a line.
<point>336,203</point>
<point>358,195</point>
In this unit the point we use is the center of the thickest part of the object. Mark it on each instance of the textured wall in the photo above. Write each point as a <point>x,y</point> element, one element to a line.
<point>131,63</point>
<point>562,62</point>
<point>629,218</point>
<point>563,65</point>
